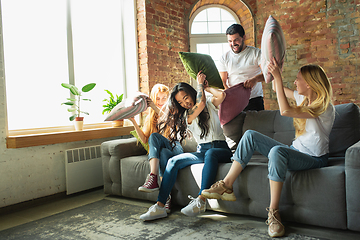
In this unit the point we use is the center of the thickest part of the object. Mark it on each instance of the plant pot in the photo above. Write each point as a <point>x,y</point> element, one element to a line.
<point>118,123</point>
<point>79,123</point>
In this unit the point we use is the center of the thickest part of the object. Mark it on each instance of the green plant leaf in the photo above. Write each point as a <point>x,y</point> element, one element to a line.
<point>88,87</point>
<point>68,103</point>
<point>110,93</point>
<point>67,85</point>
<point>84,112</point>
<point>74,90</point>
<point>71,109</point>
<point>71,99</point>
<point>86,99</point>
<point>72,117</point>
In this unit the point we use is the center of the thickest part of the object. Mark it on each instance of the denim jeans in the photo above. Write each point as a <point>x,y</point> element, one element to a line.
<point>281,157</point>
<point>160,148</point>
<point>210,154</point>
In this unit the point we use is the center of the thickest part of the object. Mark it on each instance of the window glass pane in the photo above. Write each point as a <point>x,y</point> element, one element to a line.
<point>225,25</point>
<point>101,64</point>
<point>201,17</point>
<point>202,48</point>
<point>35,53</point>
<point>217,21</point>
<point>214,27</point>
<point>213,14</point>
<point>226,16</point>
<point>199,28</point>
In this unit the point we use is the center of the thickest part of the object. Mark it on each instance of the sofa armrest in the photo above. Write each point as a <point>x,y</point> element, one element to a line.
<point>111,153</point>
<point>352,182</point>
<point>352,156</point>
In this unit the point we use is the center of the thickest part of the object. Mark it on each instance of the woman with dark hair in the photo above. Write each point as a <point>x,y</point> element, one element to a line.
<point>191,110</point>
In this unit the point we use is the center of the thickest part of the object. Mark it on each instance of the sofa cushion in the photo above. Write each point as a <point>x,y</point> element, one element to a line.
<point>233,130</point>
<point>346,127</point>
<point>194,62</point>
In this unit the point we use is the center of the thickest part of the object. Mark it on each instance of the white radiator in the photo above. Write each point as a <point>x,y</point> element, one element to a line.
<point>83,169</point>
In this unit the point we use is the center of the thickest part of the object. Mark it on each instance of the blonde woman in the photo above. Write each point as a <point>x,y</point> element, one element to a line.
<point>313,119</point>
<point>160,149</point>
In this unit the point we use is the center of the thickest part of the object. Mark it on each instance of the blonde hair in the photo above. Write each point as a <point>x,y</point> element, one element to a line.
<point>152,118</point>
<point>316,78</point>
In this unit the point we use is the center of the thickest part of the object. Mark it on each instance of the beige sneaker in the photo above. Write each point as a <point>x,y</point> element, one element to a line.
<point>219,191</point>
<point>276,229</point>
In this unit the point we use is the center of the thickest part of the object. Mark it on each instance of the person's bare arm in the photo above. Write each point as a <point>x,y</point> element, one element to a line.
<point>224,77</point>
<point>288,92</point>
<point>200,103</point>
<point>249,83</point>
<point>144,138</point>
<point>284,106</point>
<point>218,95</point>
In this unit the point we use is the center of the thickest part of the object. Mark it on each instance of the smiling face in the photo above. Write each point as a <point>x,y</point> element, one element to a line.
<point>236,42</point>
<point>301,86</point>
<point>184,100</point>
<point>161,98</point>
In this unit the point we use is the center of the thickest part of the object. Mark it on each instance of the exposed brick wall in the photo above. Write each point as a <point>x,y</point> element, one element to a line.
<point>324,32</point>
<point>162,34</point>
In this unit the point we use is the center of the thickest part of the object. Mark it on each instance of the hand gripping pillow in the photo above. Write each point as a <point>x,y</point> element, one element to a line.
<point>237,98</point>
<point>272,46</point>
<point>129,107</point>
<point>194,62</point>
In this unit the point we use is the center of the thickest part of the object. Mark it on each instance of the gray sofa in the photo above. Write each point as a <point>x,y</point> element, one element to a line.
<point>328,197</point>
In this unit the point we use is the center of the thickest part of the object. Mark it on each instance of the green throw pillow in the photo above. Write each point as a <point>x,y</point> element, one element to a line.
<point>145,145</point>
<point>194,62</point>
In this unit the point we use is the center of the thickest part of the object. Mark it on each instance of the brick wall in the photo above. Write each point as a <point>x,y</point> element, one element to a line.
<point>324,32</point>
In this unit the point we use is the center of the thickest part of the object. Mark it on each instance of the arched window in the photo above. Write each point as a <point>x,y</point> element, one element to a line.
<point>208,25</point>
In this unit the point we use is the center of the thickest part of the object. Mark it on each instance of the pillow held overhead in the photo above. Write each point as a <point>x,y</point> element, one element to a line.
<point>129,107</point>
<point>273,45</point>
<point>194,62</point>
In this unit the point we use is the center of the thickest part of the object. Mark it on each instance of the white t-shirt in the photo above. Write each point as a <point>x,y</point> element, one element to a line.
<point>242,66</point>
<point>315,140</point>
<point>215,130</point>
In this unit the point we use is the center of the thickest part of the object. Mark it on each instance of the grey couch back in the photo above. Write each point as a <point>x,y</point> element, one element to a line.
<point>345,132</point>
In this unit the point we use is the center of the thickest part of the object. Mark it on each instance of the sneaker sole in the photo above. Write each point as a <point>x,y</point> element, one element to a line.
<point>224,196</point>
<point>154,217</point>
<point>280,234</point>
<point>142,189</point>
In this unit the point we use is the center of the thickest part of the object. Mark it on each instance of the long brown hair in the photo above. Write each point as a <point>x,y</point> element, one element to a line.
<point>174,116</point>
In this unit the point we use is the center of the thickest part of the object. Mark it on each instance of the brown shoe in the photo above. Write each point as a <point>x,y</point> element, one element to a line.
<point>276,229</point>
<point>219,191</point>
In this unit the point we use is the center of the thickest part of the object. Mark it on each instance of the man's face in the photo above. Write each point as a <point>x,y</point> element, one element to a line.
<point>236,42</point>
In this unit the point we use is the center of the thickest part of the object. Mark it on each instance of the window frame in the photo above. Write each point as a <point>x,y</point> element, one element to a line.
<point>208,38</point>
<point>61,134</point>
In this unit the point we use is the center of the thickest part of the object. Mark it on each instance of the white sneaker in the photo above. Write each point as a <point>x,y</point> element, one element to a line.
<point>194,208</point>
<point>154,212</point>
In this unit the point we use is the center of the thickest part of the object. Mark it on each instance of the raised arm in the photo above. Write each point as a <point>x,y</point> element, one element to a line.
<point>218,95</point>
<point>284,106</point>
<point>200,103</point>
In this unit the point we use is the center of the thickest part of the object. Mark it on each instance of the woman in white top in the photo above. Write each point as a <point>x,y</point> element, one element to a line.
<point>313,119</point>
<point>192,111</point>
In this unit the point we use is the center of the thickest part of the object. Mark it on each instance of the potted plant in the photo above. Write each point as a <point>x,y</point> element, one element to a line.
<point>75,103</point>
<point>111,102</point>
